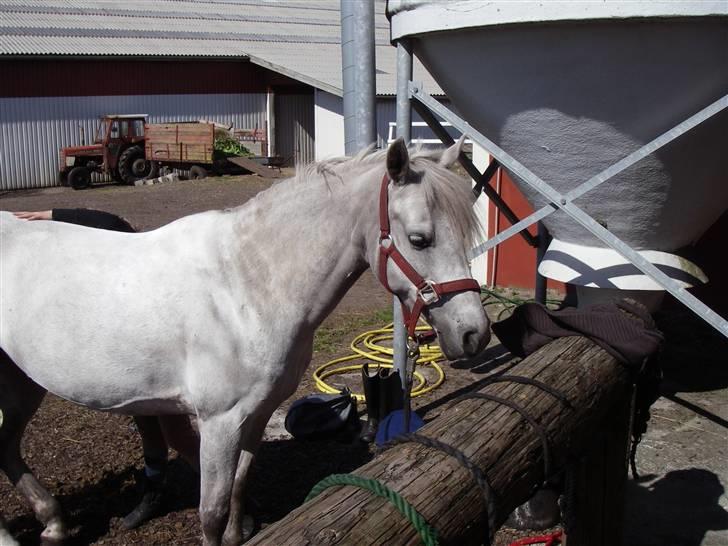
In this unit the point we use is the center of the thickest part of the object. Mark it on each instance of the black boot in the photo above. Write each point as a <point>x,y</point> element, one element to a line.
<point>149,506</point>
<point>391,395</point>
<point>372,397</point>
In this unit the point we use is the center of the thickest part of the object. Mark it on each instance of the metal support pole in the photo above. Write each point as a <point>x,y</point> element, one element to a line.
<point>404,75</point>
<point>543,243</point>
<point>271,128</point>
<point>565,201</point>
<point>364,74</point>
<point>348,76</point>
<point>404,130</point>
<point>358,74</point>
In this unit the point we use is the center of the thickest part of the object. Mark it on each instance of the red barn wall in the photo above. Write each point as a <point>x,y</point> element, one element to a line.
<point>103,77</point>
<point>513,262</point>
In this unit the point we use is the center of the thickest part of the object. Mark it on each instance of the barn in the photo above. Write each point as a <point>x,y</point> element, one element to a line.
<point>275,67</point>
<point>272,66</point>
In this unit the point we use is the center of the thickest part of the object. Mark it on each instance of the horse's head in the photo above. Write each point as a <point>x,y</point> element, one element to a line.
<point>426,224</point>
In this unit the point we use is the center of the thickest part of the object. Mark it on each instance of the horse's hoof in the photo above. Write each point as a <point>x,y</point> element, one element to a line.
<point>54,533</point>
<point>7,540</point>
<point>147,508</point>
<point>249,528</point>
<point>51,539</point>
<point>538,513</point>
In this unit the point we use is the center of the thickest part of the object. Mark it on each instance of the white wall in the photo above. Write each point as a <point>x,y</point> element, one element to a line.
<point>329,125</point>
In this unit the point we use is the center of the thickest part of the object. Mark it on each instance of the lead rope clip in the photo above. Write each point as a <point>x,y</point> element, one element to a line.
<point>413,354</point>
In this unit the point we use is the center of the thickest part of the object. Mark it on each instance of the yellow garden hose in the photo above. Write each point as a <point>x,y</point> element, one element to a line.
<point>368,346</point>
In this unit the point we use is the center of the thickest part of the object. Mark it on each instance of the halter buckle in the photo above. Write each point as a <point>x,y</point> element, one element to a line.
<point>385,241</point>
<point>428,294</point>
<point>413,348</point>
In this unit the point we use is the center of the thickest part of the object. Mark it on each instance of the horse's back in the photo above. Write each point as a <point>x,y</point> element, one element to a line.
<point>51,290</point>
<point>80,303</point>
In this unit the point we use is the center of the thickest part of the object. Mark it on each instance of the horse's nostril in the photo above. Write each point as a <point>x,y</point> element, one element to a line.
<point>473,342</point>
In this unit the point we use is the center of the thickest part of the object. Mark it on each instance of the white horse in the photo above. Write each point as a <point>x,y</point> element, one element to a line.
<point>214,314</point>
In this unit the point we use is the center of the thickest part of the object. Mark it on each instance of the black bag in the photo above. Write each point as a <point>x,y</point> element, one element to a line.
<point>324,416</point>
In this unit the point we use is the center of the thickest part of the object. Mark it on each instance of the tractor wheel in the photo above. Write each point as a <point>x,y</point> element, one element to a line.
<point>197,172</point>
<point>62,178</point>
<point>141,168</point>
<point>79,178</point>
<point>129,166</point>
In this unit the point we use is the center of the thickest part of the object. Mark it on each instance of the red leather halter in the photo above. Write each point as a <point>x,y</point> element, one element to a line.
<point>428,292</point>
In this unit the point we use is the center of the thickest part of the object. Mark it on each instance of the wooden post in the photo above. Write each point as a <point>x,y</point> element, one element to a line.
<point>495,438</point>
<point>595,485</point>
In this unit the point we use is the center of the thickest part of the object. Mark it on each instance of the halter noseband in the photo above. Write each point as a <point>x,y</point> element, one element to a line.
<point>428,292</point>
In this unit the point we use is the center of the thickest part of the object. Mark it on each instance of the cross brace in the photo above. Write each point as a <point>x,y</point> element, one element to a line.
<point>565,201</point>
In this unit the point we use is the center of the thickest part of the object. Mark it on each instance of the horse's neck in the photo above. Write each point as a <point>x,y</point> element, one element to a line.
<point>307,242</point>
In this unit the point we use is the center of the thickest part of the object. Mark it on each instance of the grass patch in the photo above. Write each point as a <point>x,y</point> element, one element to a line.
<point>332,338</point>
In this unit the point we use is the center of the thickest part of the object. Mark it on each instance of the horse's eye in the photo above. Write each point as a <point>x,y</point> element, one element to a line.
<point>419,241</point>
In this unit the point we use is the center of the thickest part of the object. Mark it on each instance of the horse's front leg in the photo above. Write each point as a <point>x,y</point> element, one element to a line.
<point>220,444</point>
<point>253,432</point>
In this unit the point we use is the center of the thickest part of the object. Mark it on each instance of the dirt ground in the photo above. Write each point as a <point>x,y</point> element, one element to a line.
<point>89,460</point>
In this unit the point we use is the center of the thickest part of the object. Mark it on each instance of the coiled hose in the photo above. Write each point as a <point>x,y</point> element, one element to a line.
<point>368,346</point>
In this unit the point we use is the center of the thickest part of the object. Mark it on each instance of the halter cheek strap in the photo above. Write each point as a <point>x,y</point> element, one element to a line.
<point>428,292</point>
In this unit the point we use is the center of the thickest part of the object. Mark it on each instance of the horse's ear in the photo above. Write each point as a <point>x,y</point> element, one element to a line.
<point>451,155</point>
<point>397,161</point>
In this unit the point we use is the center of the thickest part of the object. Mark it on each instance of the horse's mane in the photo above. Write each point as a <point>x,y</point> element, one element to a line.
<point>445,190</point>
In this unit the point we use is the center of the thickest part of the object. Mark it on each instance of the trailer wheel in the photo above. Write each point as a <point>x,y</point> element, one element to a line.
<point>79,178</point>
<point>127,161</point>
<point>197,172</point>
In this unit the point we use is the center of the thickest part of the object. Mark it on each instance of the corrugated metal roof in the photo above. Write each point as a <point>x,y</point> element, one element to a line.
<point>300,38</point>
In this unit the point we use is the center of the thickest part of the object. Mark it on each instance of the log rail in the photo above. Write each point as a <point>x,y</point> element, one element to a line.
<point>501,443</point>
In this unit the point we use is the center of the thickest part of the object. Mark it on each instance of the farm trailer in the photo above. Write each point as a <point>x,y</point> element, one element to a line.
<point>191,146</point>
<point>128,149</point>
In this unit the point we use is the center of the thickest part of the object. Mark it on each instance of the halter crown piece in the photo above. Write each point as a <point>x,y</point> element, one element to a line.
<point>428,292</point>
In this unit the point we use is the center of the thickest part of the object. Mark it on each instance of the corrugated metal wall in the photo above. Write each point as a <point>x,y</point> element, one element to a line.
<point>295,128</point>
<point>386,112</point>
<point>32,130</point>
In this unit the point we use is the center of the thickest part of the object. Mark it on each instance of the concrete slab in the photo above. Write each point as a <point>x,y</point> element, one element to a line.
<point>681,499</point>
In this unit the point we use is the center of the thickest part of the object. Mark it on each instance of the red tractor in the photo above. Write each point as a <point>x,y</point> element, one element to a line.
<point>118,150</point>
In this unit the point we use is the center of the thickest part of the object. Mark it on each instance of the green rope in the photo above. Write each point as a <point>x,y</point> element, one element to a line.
<point>427,533</point>
<point>495,297</point>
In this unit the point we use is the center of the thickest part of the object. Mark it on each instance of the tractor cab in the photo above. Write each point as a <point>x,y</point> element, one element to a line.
<point>118,150</point>
<point>121,129</point>
<point>116,134</point>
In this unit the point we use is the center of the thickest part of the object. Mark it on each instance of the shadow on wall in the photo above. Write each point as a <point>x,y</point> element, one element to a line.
<point>688,496</point>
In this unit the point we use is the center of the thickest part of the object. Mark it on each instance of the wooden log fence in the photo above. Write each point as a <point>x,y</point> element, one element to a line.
<point>589,436</point>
